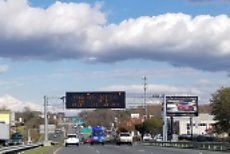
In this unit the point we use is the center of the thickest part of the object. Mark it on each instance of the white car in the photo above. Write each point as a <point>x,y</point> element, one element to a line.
<point>72,139</point>
<point>158,138</point>
<point>124,137</point>
<point>147,137</point>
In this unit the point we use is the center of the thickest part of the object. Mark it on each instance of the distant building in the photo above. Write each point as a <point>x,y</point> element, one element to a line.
<point>135,115</point>
<point>201,124</point>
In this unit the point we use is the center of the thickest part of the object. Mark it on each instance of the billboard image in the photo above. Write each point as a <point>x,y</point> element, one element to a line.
<point>182,105</point>
<point>104,99</point>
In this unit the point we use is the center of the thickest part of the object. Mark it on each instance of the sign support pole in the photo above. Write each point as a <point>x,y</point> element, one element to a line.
<point>46,141</point>
<point>165,124</point>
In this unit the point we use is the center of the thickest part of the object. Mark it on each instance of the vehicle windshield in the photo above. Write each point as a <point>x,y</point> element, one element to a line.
<point>124,134</point>
<point>17,136</point>
<point>147,135</point>
<point>71,136</point>
<point>98,133</point>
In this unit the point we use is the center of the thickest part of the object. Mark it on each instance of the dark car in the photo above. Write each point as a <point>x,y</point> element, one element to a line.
<point>16,139</point>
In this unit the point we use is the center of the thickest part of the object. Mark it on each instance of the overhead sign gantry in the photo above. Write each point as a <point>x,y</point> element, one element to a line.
<point>99,99</point>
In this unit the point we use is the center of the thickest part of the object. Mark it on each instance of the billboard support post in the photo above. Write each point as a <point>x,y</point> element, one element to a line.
<point>191,126</point>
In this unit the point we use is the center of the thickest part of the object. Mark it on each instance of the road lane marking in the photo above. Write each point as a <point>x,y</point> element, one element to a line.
<point>98,151</point>
<point>57,150</point>
<point>141,150</point>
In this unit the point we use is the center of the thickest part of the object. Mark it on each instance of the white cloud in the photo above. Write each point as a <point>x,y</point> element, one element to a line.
<point>135,93</point>
<point>14,104</point>
<point>154,89</point>
<point>80,31</point>
<point>3,68</point>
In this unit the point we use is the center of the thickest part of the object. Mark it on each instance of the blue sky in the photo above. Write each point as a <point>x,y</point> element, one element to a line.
<point>49,47</point>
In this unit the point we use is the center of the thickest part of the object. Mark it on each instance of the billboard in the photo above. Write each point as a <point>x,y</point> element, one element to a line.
<point>111,99</point>
<point>5,117</point>
<point>182,105</point>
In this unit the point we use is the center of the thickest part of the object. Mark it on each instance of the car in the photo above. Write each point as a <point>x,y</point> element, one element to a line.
<point>72,139</point>
<point>16,139</point>
<point>87,141</point>
<point>147,137</point>
<point>185,107</point>
<point>172,107</point>
<point>124,137</point>
<point>158,138</point>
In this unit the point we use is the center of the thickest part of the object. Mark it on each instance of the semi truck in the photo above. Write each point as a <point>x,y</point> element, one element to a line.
<point>4,134</point>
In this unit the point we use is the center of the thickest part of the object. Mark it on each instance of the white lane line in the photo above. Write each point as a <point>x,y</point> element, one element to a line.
<point>57,150</point>
<point>141,150</point>
<point>98,151</point>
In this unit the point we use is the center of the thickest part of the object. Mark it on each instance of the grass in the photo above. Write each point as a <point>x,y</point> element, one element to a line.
<point>39,150</point>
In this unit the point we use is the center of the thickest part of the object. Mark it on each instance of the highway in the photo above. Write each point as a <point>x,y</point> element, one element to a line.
<point>126,149</point>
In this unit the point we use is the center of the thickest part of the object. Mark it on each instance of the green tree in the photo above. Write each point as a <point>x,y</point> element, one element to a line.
<point>221,110</point>
<point>153,126</point>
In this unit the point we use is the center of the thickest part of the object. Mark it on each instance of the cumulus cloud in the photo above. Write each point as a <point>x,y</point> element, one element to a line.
<point>80,31</point>
<point>13,104</point>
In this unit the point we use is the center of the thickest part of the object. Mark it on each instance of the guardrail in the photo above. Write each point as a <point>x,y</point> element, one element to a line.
<point>215,146</point>
<point>18,148</point>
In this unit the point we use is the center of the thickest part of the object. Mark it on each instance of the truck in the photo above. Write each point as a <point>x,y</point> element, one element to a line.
<point>4,134</point>
<point>98,135</point>
<point>124,138</point>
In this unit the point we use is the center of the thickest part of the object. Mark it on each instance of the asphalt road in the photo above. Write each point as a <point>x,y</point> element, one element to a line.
<point>126,149</point>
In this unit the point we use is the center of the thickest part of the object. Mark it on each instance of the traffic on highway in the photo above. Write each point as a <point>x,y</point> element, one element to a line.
<point>126,149</point>
<point>98,142</point>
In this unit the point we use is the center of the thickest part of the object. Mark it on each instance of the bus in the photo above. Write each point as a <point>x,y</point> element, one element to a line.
<point>98,135</point>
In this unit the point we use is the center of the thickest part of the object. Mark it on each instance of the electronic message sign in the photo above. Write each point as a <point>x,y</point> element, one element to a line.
<point>182,105</point>
<point>111,99</point>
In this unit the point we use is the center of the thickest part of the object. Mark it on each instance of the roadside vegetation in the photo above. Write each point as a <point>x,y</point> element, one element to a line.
<point>39,150</point>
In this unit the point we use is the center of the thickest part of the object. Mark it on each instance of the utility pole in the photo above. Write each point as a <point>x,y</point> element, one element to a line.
<point>145,104</point>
